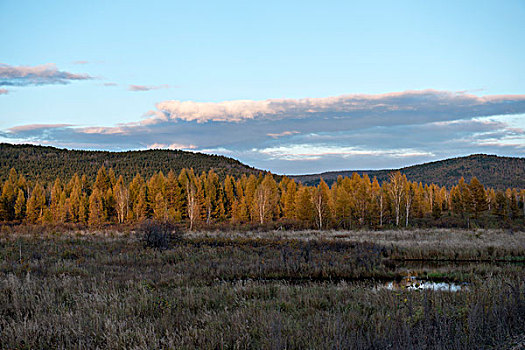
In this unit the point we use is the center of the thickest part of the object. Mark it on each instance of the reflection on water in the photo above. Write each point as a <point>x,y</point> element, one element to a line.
<point>412,283</point>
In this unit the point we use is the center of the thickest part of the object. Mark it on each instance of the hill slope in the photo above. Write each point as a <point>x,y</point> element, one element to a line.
<point>46,163</point>
<point>492,171</point>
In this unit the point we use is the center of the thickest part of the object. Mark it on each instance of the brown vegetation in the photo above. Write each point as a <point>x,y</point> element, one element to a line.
<point>254,290</point>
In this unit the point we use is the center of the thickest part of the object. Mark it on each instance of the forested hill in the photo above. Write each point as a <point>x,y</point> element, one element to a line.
<point>46,163</point>
<point>491,171</point>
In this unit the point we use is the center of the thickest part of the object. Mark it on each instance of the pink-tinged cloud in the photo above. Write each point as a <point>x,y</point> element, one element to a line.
<point>33,127</point>
<point>147,87</point>
<point>342,106</point>
<point>80,62</point>
<point>172,146</point>
<point>281,134</point>
<point>36,75</point>
<point>110,84</point>
<point>152,117</point>
<point>101,130</point>
<point>4,91</point>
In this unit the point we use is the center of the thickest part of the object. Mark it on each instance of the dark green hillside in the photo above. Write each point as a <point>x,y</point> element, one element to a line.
<point>492,171</point>
<point>46,163</point>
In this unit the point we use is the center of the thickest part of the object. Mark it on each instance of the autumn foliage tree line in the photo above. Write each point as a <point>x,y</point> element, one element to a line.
<point>200,201</point>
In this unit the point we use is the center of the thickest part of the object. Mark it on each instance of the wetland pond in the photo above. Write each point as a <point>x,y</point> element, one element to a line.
<point>413,283</point>
<point>411,275</point>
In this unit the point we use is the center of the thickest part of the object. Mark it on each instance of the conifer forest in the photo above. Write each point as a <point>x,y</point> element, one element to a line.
<point>203,200</point>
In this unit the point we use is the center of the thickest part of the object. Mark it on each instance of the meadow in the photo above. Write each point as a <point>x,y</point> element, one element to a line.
<point>112,289</point>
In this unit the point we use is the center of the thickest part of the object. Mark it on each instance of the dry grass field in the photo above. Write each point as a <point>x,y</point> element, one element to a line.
<point>271,290</point>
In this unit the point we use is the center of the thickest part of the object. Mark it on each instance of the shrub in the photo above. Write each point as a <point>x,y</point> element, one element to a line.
<point>159,234</point>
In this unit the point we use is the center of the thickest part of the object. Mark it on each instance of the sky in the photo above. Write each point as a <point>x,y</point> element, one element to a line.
<point>292,87</point>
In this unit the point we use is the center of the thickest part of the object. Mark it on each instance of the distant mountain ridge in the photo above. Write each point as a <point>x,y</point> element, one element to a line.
<point>47,163</point>
<point>492,171</point>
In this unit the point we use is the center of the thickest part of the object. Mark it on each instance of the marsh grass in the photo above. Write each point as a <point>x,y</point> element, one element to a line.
<point>417,244</point>
<point>312,290</point>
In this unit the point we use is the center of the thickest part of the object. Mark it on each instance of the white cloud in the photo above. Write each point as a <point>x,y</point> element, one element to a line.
<point>315,151</point>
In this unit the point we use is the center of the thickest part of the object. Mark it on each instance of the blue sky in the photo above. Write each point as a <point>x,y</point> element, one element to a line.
<point>293,87</point>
